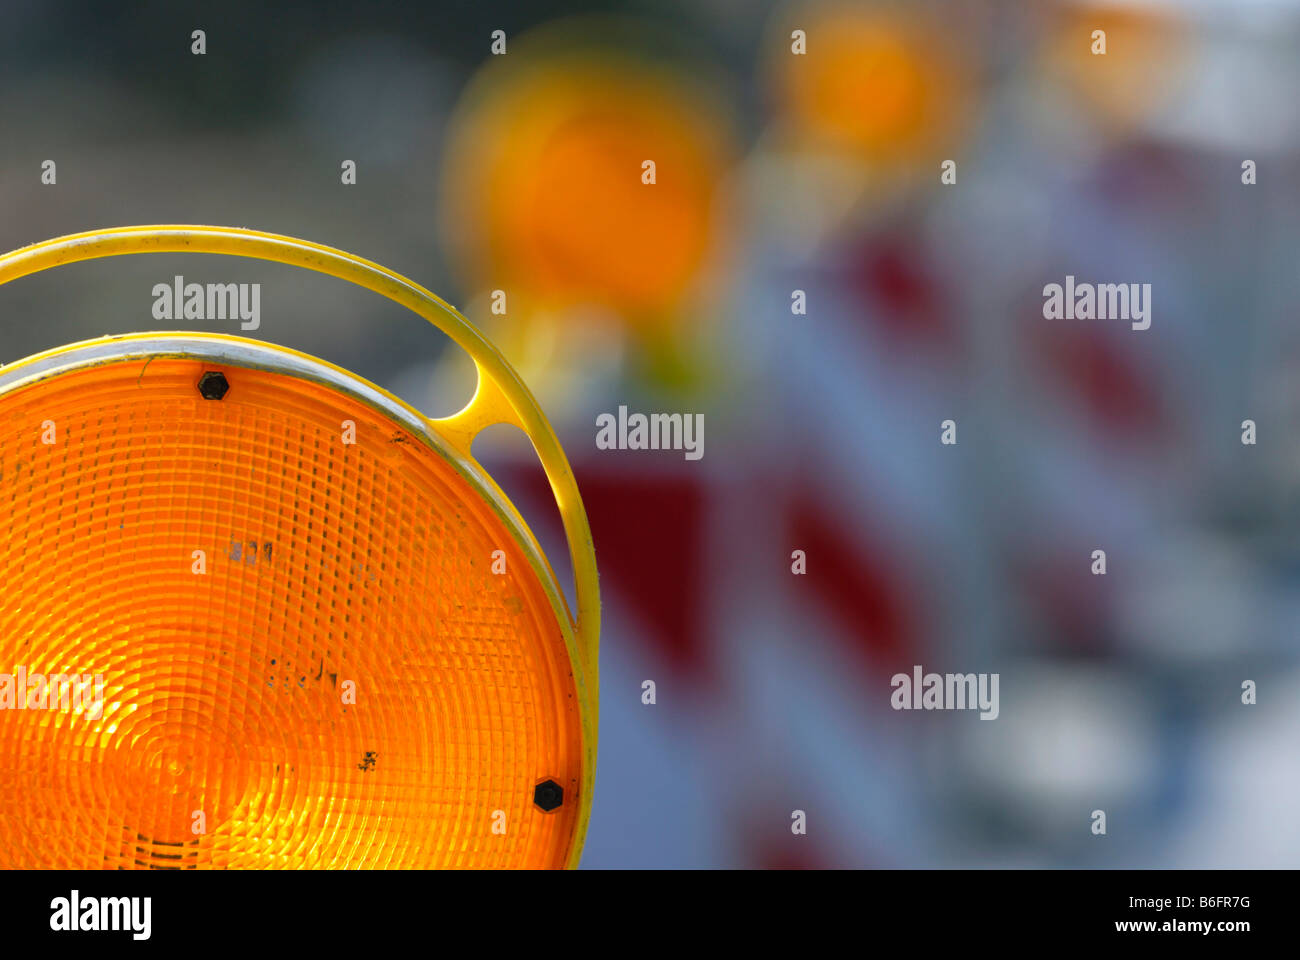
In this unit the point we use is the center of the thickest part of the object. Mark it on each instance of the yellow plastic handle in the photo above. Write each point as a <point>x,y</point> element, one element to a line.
<point>501,396</point>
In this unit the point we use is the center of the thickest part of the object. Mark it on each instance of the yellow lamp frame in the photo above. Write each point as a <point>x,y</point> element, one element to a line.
<point>501,397</point>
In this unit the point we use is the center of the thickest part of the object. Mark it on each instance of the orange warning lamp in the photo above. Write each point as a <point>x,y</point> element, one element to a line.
<point>259,613</point>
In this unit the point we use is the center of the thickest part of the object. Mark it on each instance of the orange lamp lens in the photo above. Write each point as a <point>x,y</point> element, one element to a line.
<point>293,632</point>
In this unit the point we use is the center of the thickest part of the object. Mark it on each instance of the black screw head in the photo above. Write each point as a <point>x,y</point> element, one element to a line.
<point>548,795</point>
<point>213,385</point>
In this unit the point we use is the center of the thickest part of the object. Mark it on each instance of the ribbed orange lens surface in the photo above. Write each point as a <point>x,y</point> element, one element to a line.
<point>339,678</point>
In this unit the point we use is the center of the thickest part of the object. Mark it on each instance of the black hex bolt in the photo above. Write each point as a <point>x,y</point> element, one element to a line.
<point>548,795</point>
<point>213,385</point>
